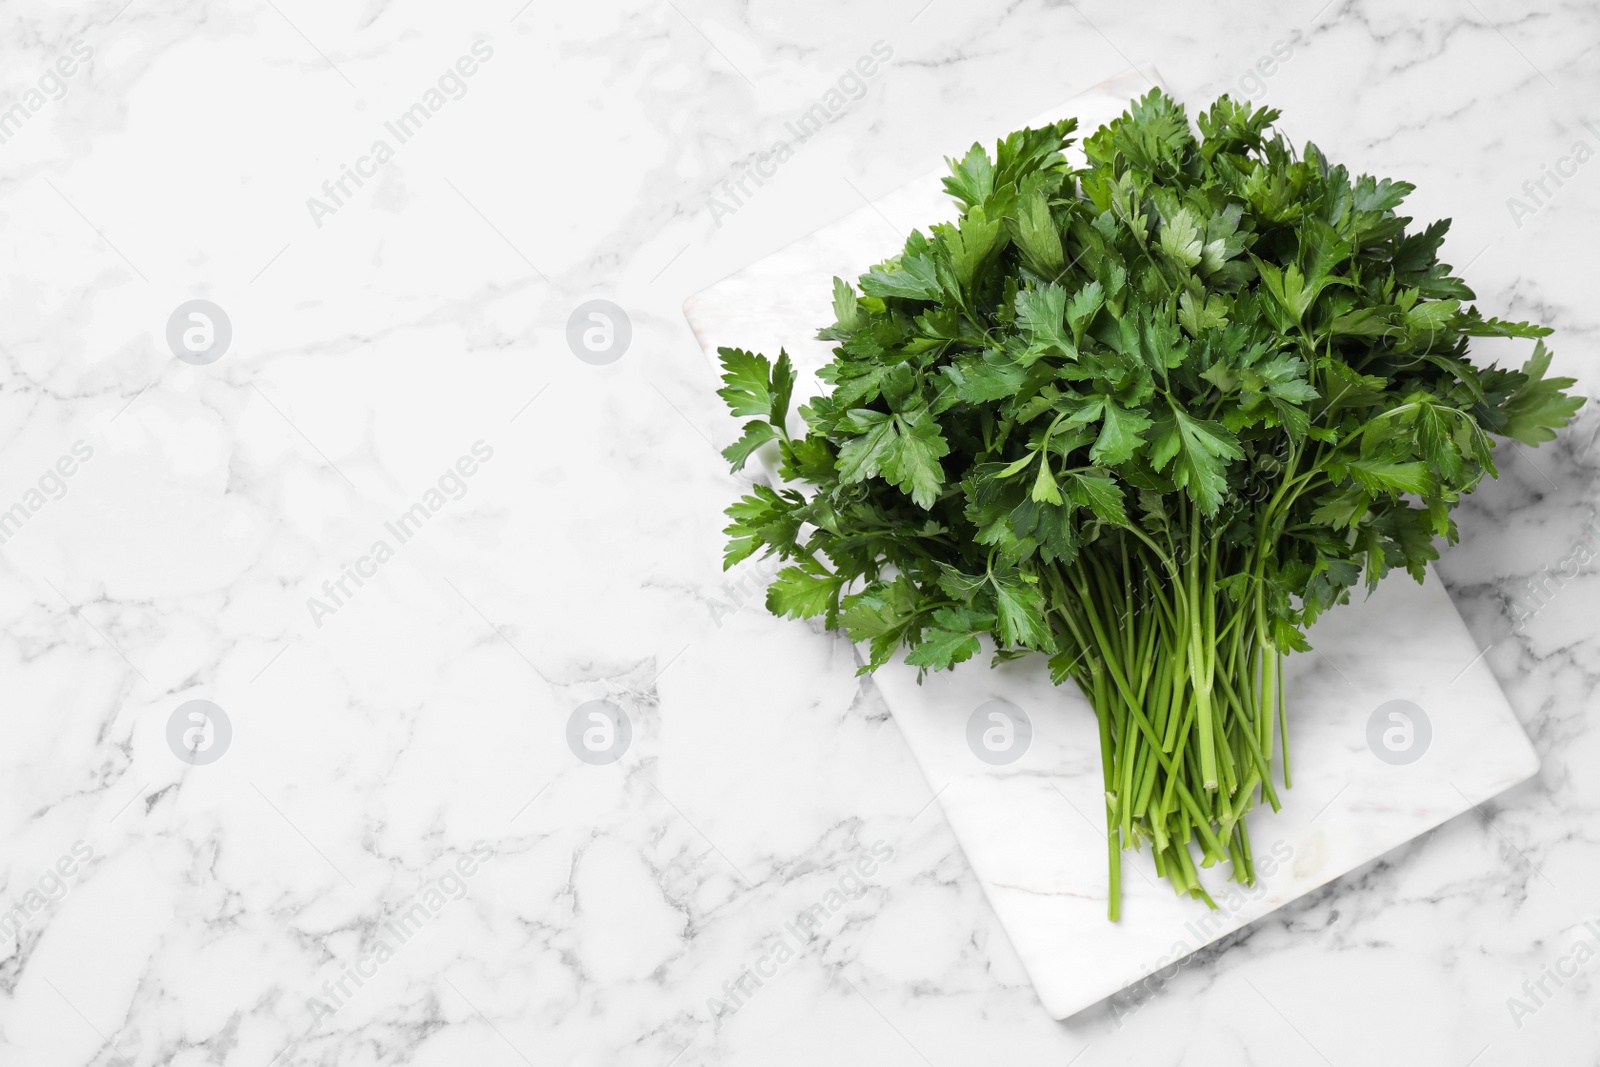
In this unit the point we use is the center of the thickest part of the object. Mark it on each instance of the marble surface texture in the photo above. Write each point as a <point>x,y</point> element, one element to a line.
<point>398,856</point>
<point>1027,805</point>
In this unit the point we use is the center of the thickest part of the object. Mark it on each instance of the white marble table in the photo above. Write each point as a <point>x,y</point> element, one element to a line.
<point>319,893</point>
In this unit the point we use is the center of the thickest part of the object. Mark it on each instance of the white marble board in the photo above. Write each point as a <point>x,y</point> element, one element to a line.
<point>1033,830</point>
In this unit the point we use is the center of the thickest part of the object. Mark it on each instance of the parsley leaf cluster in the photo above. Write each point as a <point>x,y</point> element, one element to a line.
<point>1147,417</point>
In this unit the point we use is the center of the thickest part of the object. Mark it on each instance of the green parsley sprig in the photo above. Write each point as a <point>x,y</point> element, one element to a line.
<point>1148,418</point>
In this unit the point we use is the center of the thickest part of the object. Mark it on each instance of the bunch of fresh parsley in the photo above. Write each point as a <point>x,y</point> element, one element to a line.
<point>1148,418</point>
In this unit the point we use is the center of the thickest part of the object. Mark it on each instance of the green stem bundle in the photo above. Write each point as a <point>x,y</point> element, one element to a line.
<point>1184,683</point>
